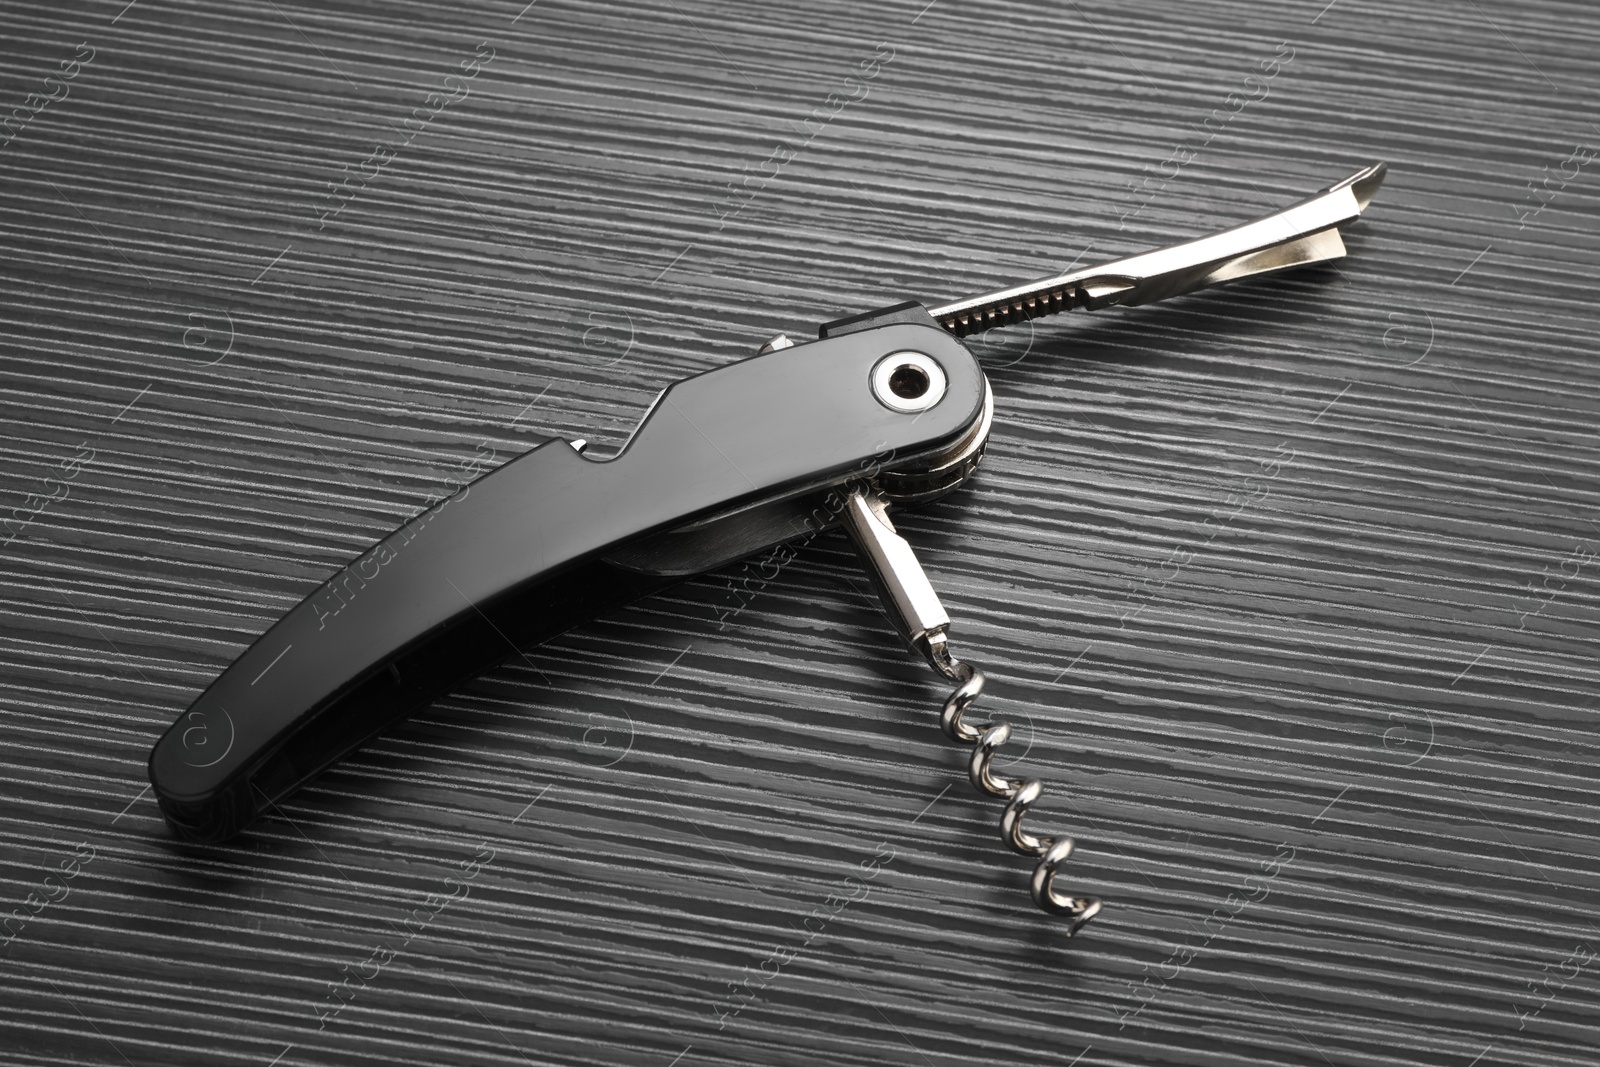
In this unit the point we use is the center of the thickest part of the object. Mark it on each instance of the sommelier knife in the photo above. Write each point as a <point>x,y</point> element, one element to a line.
<point>886,409</point>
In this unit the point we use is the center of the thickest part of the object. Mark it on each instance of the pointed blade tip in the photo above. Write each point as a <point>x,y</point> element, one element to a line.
<point>1364,184</point>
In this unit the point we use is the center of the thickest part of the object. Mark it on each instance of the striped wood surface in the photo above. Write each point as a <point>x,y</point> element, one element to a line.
<point>1288,588</point>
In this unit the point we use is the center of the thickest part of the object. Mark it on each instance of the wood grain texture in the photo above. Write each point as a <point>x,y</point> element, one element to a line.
<point>1296,571</point>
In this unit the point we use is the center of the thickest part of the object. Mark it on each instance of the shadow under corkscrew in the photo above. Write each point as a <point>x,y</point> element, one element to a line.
<point>1019,794</point>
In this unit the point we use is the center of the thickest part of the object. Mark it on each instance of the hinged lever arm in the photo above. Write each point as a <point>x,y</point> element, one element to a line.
<point>1307,232</point>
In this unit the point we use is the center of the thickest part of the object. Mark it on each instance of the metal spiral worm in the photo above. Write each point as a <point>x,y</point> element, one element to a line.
<point>1020,795</point>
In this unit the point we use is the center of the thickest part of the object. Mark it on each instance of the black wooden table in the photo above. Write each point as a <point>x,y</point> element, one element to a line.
<point>1289,588</point>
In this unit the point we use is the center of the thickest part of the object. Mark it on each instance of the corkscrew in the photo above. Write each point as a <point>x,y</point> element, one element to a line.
<point>915,610</point>
<point>886,409</point>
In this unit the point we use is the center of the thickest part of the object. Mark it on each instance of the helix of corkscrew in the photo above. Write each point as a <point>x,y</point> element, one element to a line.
<point>1020,795</point>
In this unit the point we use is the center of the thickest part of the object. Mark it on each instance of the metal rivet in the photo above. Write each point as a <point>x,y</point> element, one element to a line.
<point>908,381</point>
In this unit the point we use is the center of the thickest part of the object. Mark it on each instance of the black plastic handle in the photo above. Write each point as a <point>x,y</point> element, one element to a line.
<point>521,555</point>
